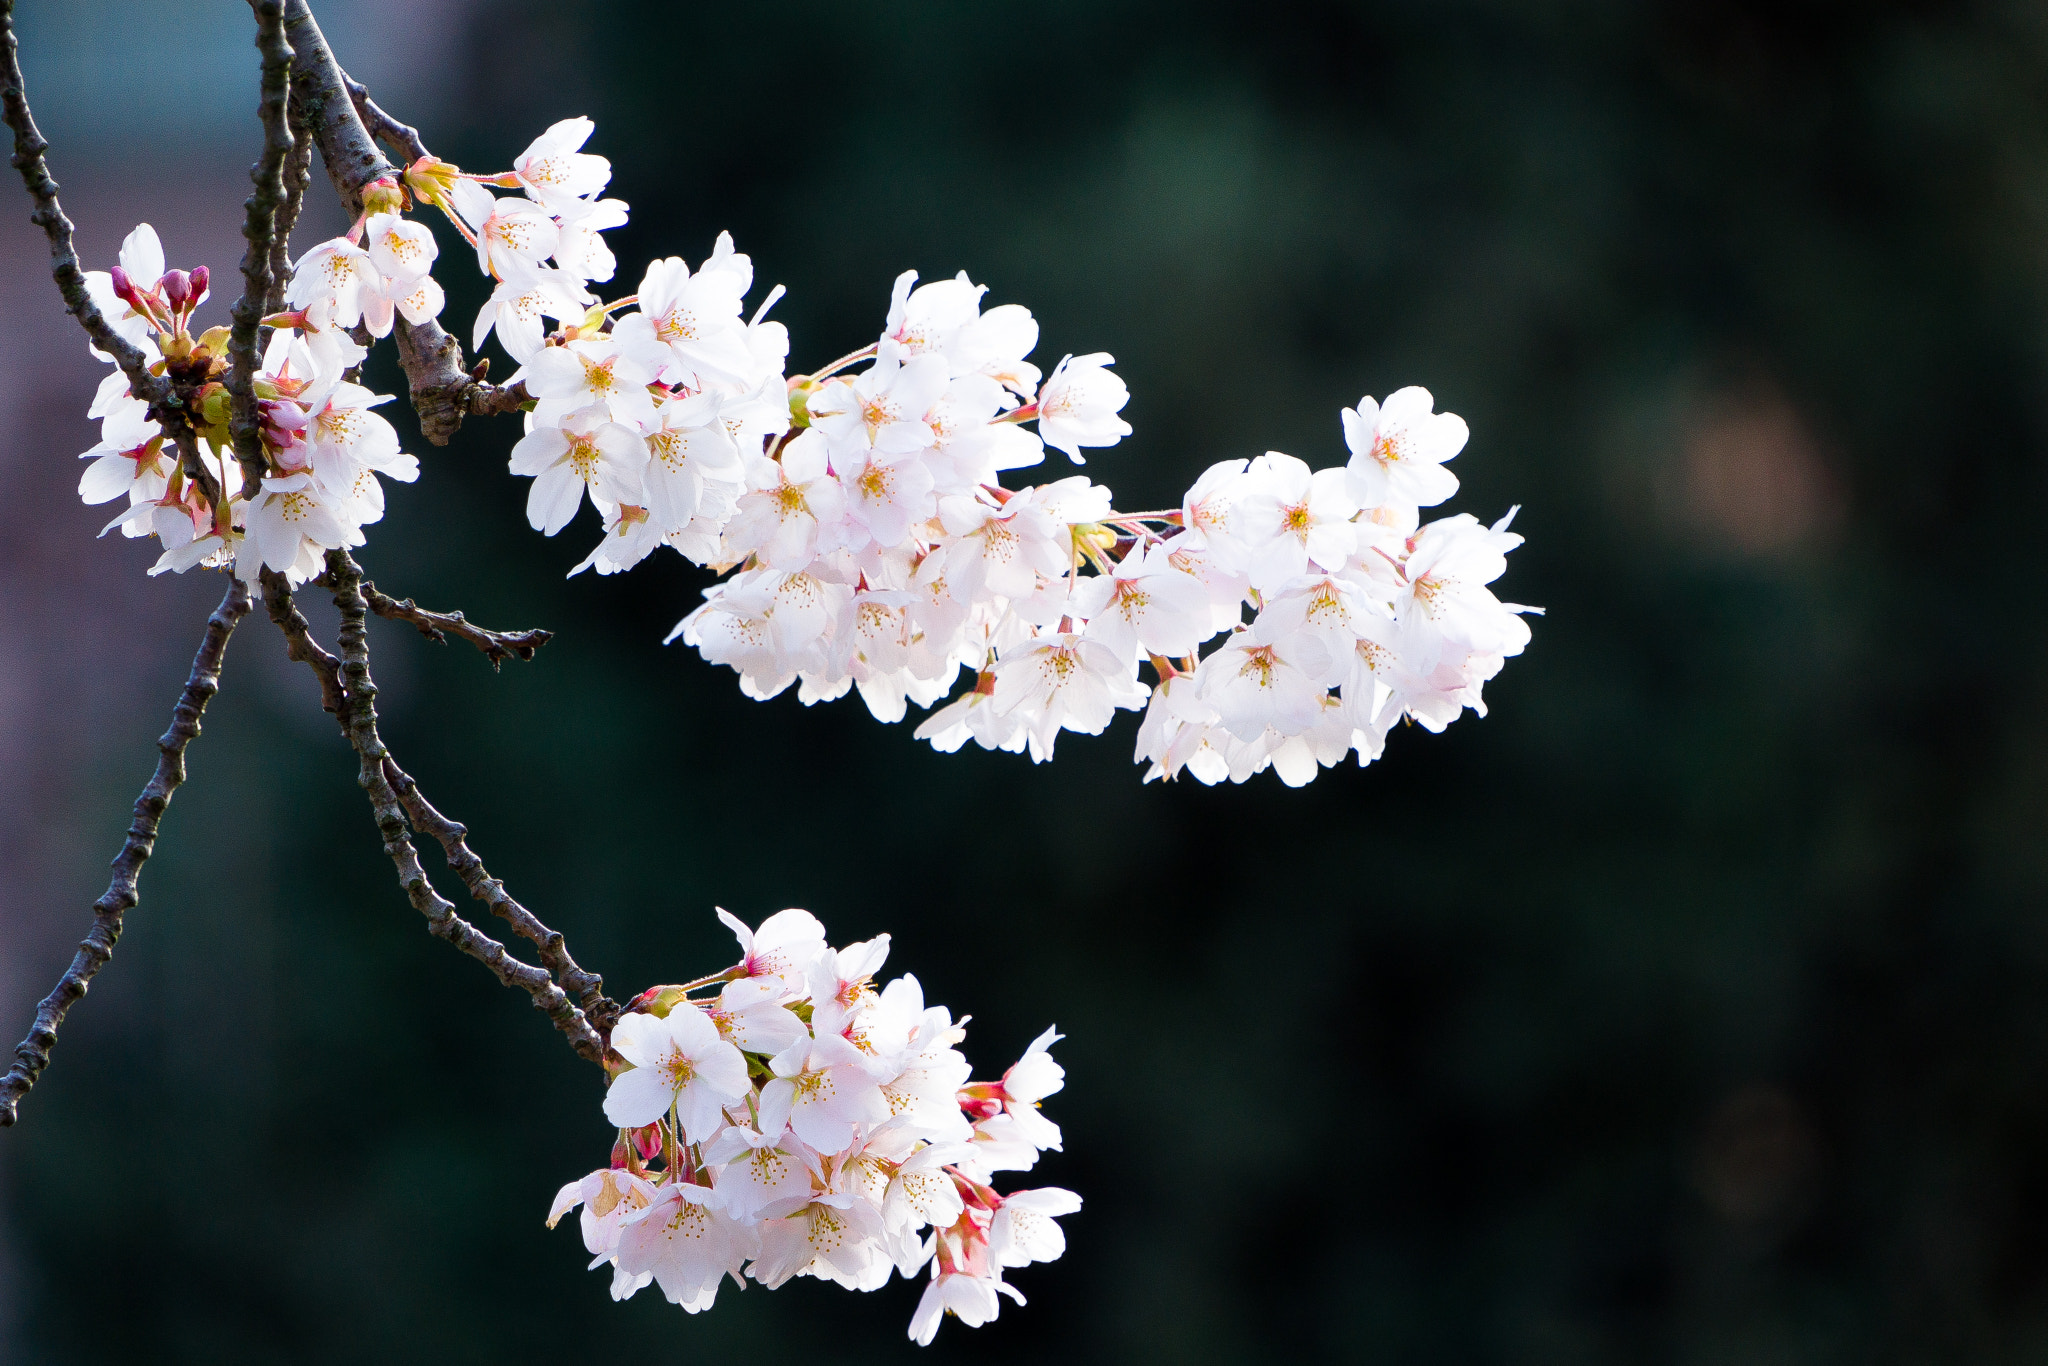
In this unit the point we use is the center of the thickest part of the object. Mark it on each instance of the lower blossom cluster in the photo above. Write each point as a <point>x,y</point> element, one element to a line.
<point>794,1120</point>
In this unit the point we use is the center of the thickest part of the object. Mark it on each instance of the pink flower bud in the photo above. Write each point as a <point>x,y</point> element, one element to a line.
<point>199,279</point>
<point>177,286</point>
<point>124,289</point>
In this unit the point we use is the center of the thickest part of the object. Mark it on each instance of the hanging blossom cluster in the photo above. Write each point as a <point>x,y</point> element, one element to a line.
<point>797,1121</point>
<point>323,446</point>
<point>1288,616</point>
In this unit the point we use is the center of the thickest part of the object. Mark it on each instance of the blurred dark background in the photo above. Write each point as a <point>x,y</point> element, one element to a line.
<point>1693,1007</point>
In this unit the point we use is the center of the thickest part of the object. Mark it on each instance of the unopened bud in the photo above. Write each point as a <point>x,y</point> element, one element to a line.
<point>215,405</point>
<point>432,180</point>
<point>657,1001</point>
<point>199,279</point>
<point>648,1141</point>
<point>382,195</point>
<point>177,286</point>
<point>124,289</point>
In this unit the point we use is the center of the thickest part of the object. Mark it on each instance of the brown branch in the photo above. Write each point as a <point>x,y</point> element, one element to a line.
<point>443,391</point>
<point>437,626</point>
<point>298,173</point>
<point>33,1054</point>
<point>360,716</point>
<point>399,137</point>
<point>29,146</point>
<point>259,226</point>
<point>554,950</point>
<point>300,646</point>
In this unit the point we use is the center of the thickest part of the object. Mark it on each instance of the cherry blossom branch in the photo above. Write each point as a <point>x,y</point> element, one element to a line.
<point>360,720</point>
<point>588,987</point>
<point>400,137</point>
<point>29,146</point>
<point>443,392</point>
<point>33,1053</point>
<point>497,646</point>
<point>259,227</point>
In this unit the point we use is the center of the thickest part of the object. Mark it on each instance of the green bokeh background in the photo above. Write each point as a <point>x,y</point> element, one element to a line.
<point>1693,1007</point>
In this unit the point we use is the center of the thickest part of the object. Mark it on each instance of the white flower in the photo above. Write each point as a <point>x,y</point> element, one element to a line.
<point>971,1299</point>
<point>835,1237</point>
<point>1079,405</point>
<point>291,512</point>
<point>687,1242</point>
<point>519,303</point>
<point>513,236</point>
<point>1293,518</point>
<point>608,1198</point>
<point>1145,604</point>
<point>1444,594</point>
<point>585,451</point>
<point>338,272</point>
<point>1064,682</point>
<point>579,251</point>
<point>1398,449</point>
<point>886,495</point>
<point>883,407</point>
<point>759,1175</point>
<point>555,172</point>
<point>689,452</point>
<point>400,249</point>
<point>606,370</point>
<point>783,949</point>
<point>1030,1080</point>
<point>823,1089</point>
<point>788,502</point>
<point>1265,676</point>
<point>998,549</point>
<point>678,1060</point>
<point>1023,1230</point>
<point>695,317</point>
<point>754,1014</point>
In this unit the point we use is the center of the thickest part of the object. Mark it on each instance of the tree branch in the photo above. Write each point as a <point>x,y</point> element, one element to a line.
<point>300,646</point>
<point>436,626</point>
<point>443,391</point>
<point>298,173</point>
<point>360,716</point>
<point>554,950</point>
<point>29,146</point>
<point>399,137</point>
<point>259,226</point>
<point>33,1054</point>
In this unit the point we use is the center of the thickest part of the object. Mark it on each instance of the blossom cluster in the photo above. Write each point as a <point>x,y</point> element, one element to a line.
<point>1281,617</point>
<point>324,449</point>
<point>798,1121</point>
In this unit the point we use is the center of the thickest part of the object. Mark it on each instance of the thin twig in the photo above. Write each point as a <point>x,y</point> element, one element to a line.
<point>298,173</point>
<point>399,137</point>
<point>588,987</point>
<point>259,226</point>
<point>438,626</point>
<point>29,146</point>
<point>33,1054</point>
<point>360,712</point>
